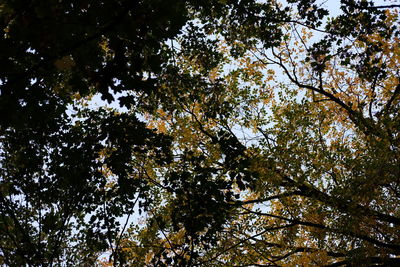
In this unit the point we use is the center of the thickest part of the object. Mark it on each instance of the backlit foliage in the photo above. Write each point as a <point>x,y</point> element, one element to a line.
<point>248,133</point>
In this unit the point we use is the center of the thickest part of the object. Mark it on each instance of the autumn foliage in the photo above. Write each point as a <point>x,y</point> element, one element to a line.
<point>231,133</point>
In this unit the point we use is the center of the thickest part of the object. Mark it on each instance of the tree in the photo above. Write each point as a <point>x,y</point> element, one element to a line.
<point>68,172</point>
<point>230,165</point>
<point>317,181</point>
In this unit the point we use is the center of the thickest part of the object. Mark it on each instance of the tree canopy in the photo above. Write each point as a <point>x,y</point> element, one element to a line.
<point>239,133</point>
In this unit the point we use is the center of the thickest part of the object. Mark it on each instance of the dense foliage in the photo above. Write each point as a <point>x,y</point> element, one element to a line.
<point>240,133</point>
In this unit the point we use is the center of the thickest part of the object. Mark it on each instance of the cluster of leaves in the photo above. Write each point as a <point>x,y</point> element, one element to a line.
<point>268,133</point>
<point>68,174</point>
<point>313,161</point>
